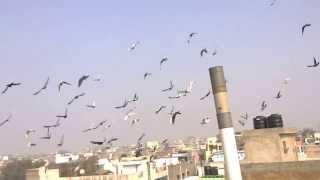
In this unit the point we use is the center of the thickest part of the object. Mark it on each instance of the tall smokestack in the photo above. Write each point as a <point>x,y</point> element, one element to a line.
<point>219,89</point>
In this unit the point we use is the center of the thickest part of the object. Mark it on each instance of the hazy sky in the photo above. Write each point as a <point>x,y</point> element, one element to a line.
<point>258,45</point>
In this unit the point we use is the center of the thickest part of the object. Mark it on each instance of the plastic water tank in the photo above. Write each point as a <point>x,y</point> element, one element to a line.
<point>260,122</point>
<point>275,121</point>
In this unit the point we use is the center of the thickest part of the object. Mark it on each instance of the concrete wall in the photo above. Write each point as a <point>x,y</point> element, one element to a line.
<point>180,171</point>
<point>299,170</point>
<point>270,145</point>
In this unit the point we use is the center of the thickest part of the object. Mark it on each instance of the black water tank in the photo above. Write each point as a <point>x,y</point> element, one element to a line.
<point>275,121</point>
<point>260,122</point>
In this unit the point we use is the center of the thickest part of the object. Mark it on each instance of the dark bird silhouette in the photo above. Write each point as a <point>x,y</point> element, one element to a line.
<point>76,97</point>
<point>92,106</point>
<point>135,98</point>
<point>98,142</point>
<point>164,141</point>
<point>205,121</point>
<point>315,63</point>
<point>279,95</point>
<point>57,124</point>
<point>125,104</point>
<point>135,121</point>
<point>10,85</point>
<point>28,132</point>
<point>48,135</point>
<point>6,120</point>
<point>82,79</point>
<point>204,50</point>
<point>31,144</point>
<point>43,87</point>
<point>163,60</point>
<point>263,105</point>
<point>160,109</point>
<point>65,115</point>
<point>146,75</point>
<point>141,137</point>
<point>95,127</point>
<point>133,46</point>
<point>304,27</point>
<point>241,123</point>
<point>170,88</point>
<point>112,140</point>
<point>61,141</point>
<point>273,2</point>
<point>63,83</point>
<point>205,96</point>
<point>173,118</point>
<point>215,52</point>
<point>191,35</point>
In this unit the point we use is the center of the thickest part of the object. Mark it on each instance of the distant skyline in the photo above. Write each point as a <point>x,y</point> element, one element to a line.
<point>259,46</point>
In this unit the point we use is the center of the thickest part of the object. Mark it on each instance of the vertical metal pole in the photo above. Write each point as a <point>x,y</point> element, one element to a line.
<point>219,90</point>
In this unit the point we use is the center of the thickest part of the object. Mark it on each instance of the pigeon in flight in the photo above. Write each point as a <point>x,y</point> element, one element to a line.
<point>92,106</point>
<point>205,96</point>
<point>82,79</point>
<point>203,51</point>
<point>135,121</point>
<point>170,88</point>
<point>98,142</point>
<point>141,137</point>
<point>263,105</point>
<point>63,83</point>
<point>28,132</point>
<point>179,95</point>
<point>215,52</point>
<point>61,141</point>
<point>97,79</point>
<point>304,27</point>
<point>191,35</point>
<point>146,75</point>
<point>95,127</point>
<point>244,116</point>
<point>205,121</point>
<point>172,111</point>
<point>279,95</point>
<point>241,123</point>
<point>65,115</point>
<point>129,114</point>
<point>160,109</point>
<point>6,120</point>
<point>43,87</point>
<point>48,136</point>
<point>273,2</point>
<point>315,63</point>
<point>173,118</point>
<point>135,98</point>
<point>31,144</point>
<point>125,104</point>
<point>10,85</point>
<point>187,90</point>
<point>163,60</point>
<point>76,97</point>
<point>112,140</point>
<point>133,46</point>
<point>164,141</point>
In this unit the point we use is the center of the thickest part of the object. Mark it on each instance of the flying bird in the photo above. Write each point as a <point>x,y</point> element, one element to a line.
<point>164,141</point>
<point>187,90</point>
<point>205,121</point>
<point>206,95</point>
<point>173,118</point>
<point>279,95</point>
<point>273,2</point>
<point>30,144</point>
<point>141,137</point>
<point>170,88</point>
<point>304,27</point>
<point>244,116</point>
<point>160,109</point>
<point>215,52</point>
<point>163,60</point>
<point>6,120</point>
<point>263,105</point>
<point>112,140</point>
<point>28,132</point>
<point>125,104</point>
<point>10,85</point>
<point>92,106</point>
<point>43,87</point>
<point>203,51</point>
<point>129,114</point>
<point>82,79</point>
<point>63,83</point>
<point>133,46</point>
<point>95,127</point>
<point>48,135</point>
<point>146,75</point>
<point>65,115</point>
<point>61,141</point>
<point>315,63</point>
<point>98,142</point>
<point>76,97</point>
<point>241,123</point>
<point>135,98</point>
<point>135,121</point>
<point>191,35</point>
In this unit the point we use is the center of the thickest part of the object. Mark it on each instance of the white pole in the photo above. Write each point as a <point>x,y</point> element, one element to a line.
<point>219,89</point>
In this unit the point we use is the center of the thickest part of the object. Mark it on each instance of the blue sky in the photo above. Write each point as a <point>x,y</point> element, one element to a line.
<point>257,44</point>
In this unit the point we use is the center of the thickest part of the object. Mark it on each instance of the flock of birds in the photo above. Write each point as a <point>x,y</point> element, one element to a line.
<point>131,114</point>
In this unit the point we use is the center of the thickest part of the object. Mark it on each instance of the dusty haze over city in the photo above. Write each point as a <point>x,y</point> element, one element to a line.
<point>259,46</point>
